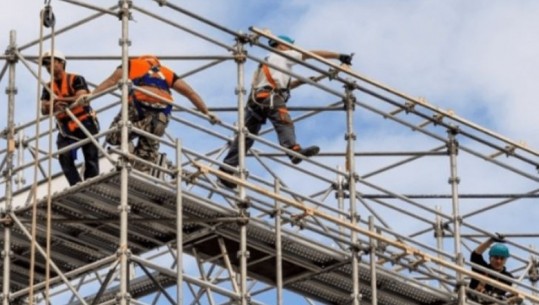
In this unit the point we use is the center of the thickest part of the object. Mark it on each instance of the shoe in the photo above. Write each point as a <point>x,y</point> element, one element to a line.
<point>307,152</point>
<point>224,182</point>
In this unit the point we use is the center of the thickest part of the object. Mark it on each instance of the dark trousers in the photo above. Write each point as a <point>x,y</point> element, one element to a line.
<point>256,114</point>
<point>89,150</point>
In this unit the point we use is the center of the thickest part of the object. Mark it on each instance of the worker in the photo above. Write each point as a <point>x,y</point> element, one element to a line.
<point>146,112</point>
<point>66,89</point>
<point>267,100</point>
<point>498,254</point>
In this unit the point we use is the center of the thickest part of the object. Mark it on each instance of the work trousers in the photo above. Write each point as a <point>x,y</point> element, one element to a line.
<point>151,121</point>
<point>89,150</point>
<point>258,110</point>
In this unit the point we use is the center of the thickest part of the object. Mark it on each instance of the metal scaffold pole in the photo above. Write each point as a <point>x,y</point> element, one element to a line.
<point>123,252</point>
<point>350,169</point>
<point>243,255</point>
<point>372,254</point>
<point>179,224</point>
<point>452,147</point>
<point>278,245</point>
<point>8,172</point>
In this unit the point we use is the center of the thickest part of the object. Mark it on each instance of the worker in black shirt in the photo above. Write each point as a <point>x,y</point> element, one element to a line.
<point>498,254</point>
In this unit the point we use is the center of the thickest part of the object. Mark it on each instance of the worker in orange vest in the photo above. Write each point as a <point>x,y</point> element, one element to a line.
<point>67,88</point>
<point>147,112</point>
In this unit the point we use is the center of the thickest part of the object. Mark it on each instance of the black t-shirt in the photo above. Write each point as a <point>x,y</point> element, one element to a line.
<point>479,260</point>
<point>79,83</point>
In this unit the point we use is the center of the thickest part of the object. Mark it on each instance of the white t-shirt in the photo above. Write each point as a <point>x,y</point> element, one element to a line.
<point>281,79</point>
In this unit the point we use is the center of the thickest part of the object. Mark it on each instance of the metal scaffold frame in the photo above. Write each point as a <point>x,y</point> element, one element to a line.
<point>333,230</point>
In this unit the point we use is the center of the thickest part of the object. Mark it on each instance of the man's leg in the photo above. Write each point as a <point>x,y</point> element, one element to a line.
<point>67,160</point>
<point>154,122</point>
<point>91,153</point>
<point>115,137</point>
<point>284,126</point>
<point>253,123</point>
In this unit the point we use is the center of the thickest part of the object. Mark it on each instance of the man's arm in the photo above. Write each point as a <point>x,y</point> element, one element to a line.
<point>110,81</point>
<point>184,89</point>
<point>344,58</point>
<point>484,246</point>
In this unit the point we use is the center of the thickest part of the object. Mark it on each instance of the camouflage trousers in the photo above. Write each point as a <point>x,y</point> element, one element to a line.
<point>151,121</point>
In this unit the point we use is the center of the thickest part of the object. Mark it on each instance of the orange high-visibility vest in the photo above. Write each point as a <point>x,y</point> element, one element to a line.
<point>147,73</point>
<point>66,90</point>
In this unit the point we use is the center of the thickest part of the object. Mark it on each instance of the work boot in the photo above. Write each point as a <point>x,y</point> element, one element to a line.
<point>224,182</point>
<point>307,152</point>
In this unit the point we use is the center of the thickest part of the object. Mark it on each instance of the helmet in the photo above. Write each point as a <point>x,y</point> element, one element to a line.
<point>57,55</point>
<point>273,43</point>
<point>499,250</point>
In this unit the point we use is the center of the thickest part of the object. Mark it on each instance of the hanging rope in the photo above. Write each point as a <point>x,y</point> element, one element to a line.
<point>47,20</point>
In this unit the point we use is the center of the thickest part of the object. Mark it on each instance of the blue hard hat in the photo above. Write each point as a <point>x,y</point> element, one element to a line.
<point>499,250</point>
<point>273,43</point>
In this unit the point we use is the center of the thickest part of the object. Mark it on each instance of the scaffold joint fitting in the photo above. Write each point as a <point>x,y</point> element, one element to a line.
<point>408,107</point>
<point>121,296</point>
<point>349,136</point>
<point>245,254</point>
<point>244,38</point>
<point>7,221</point>
<point>11,55</point>
<point>161,2</point>
<point>124,208</point>
<point>121,42</point>
<point>11,90</point>
<point>453,129</point>
<point>240,56</point>
<point>239,90</point>
<point>243,204</point>
<point>125,11</point>
<point>455,180</point>
<point>243,220</point>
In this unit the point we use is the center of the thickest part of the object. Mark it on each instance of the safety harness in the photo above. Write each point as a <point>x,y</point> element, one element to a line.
<point>146,72</point>
<point>268,91</point>
<point>81,112</point>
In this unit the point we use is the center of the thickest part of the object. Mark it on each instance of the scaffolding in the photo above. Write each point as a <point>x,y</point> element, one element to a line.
<point>393,225</point>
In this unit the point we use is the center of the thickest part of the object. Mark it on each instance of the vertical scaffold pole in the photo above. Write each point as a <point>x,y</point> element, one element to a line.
<point>243,255</point>
<point>123,252</point>
<point>452,148</point>
<point>8,172</point>
<point>439,234</point>
<point>340,198</point>
<point>350,169</point>
<point>372,253</point>
<point>278,245</point>
<point>179,224</point>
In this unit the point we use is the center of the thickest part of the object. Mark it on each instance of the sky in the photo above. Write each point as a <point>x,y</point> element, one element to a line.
<point>477,58</point>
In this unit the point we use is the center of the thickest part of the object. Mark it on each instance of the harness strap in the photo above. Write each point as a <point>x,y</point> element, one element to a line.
<point>267,73</point>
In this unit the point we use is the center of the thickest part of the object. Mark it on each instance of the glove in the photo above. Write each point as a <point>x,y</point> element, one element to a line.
<point>499,238</point>
<point>83,100</point>
<point>60,106</point>
<point>213,118</point>
<point>346,59</point>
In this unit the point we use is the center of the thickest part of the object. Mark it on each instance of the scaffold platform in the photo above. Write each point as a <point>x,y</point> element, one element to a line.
<point>85,230</point>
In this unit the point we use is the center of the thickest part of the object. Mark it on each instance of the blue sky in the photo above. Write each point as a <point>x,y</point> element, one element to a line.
<point>477,58</point>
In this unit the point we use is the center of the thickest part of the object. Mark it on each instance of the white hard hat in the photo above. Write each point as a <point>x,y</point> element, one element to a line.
<point>57,54</point>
